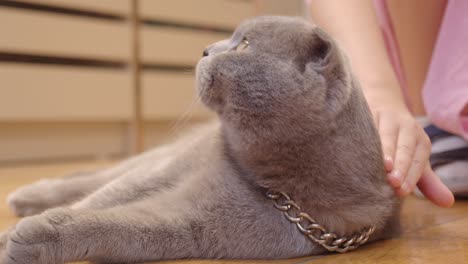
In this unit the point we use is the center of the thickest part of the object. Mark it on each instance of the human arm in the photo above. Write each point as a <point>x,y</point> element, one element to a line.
<point>406,147</point>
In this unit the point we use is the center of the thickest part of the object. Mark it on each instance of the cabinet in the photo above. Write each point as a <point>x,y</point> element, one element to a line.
<point>86,78</point>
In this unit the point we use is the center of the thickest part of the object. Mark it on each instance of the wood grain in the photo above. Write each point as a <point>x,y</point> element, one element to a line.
<point>220,13</point>
<point>136,125</point>
<point>55,93</point>
<point>171,95</point>
<point>175,46</point>
<point>63,35</point>
<point>120,7</point>
<point>60,141</point>
<point>430,234</point>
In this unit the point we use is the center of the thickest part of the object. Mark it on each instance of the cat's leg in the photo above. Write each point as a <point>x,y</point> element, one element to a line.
<point>153,230</point>
<point>116,235</point>
<point>45,194</point>
<point>142,182</point>
<point>49,193</point>
<point>170,167</point>
<point>3,243</point>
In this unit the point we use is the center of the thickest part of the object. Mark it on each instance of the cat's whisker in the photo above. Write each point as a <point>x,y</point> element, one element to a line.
<point>208,99</point>
<point>186,115</point>
<point>191,71</point>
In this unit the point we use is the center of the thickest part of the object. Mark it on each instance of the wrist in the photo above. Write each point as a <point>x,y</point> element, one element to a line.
<point>384,94</point>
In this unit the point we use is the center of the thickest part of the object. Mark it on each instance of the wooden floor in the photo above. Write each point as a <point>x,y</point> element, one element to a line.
<point>431,234</point>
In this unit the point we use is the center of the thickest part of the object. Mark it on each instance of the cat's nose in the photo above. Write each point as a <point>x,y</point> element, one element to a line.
<point>215,48</point>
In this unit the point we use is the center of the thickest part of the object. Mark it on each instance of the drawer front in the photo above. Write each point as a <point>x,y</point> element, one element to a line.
<point>121,7</point>
<point>62,35</point>
<point>175,46</point>
<point>170,96</point>
<point>45,93</point>
<point>41,141</point>
<point>220,13</point>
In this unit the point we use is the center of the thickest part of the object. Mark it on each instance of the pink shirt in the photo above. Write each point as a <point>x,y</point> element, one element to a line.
<point>445,91</point>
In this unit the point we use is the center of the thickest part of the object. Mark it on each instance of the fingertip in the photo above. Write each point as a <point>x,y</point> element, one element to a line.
<point>395,178</point>
<point>399,193</point>
<point>388,163</point>
<point>446,199</point>
<point>435,190</point>
<point>392,181</point>
<point>404,189</point>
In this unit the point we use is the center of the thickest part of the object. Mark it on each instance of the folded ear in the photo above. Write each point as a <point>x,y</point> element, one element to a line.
<point>327,60</point>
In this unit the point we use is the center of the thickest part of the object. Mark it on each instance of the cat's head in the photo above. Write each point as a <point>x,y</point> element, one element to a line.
<point>271,70</point>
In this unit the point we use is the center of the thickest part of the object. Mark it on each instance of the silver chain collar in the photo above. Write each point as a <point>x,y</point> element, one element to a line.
<point>314,231</point>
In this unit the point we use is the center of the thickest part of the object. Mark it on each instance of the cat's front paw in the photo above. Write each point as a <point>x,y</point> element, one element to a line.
<point>36,239</point>
<point>32,199</point>
<point>3,243</point>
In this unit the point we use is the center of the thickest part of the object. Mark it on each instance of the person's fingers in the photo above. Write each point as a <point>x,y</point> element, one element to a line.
<point>417,166</point>
<point>388,160</point>
<point>388,131</point>
<point>388,164</point>
<point>403,155</point>
<point>376,116</point>
<point>431,186</point>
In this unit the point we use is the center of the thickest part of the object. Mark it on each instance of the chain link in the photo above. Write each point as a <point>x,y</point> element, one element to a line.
<point>314,231</point>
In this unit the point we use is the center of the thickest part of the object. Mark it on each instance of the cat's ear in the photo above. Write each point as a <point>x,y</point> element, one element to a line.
<point>326,59</point>
<point>321,50</point>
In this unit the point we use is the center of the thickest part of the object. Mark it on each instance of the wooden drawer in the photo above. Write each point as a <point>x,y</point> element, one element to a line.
<point>171,95</point>
<point>175,46</point>
<point>220,13</point>
<point>121,7</point>
<point>61,140</point>
<point>62,35</point>
<point>45,93</point>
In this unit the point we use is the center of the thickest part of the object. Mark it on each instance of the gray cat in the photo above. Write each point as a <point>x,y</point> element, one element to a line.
<point>292,119</point>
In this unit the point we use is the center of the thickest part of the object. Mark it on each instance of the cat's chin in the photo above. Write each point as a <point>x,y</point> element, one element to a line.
<point>203,77</point>
<point>205,85</point>
<point>213,103</point>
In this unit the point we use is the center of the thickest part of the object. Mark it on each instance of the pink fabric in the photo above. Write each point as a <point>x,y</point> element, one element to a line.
<point>391,44</point>
<point>446,88</point>
<point>445,91</point>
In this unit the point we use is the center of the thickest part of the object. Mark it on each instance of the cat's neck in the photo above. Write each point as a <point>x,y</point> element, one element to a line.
<point>309,160</point>
<point>281,163</point>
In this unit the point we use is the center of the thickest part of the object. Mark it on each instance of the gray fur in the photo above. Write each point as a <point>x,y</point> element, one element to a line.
<point>292,118</point>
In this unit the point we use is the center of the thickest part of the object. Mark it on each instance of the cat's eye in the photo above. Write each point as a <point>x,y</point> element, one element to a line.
<point>242,45</point>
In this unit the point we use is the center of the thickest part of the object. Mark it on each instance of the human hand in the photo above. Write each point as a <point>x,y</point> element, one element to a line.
<point>406,149</point>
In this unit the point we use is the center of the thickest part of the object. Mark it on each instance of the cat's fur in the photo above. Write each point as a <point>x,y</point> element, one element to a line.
<point>292,118</point>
